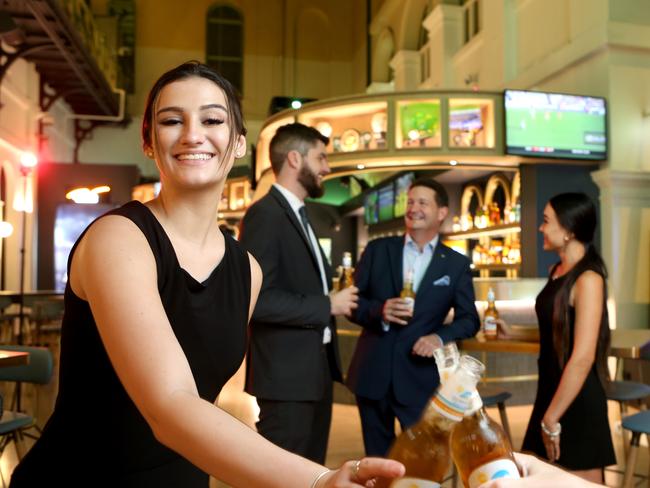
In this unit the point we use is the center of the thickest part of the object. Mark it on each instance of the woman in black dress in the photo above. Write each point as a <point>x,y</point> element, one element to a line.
<point>156,309</point>
<point>569,422</point>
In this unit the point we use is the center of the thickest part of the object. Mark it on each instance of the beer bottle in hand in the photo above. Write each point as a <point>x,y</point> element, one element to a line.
<point>424,447</point>
<point>490,328</point>
<point>407,294</point>
<point>347,276</point>
<point>480,448</point>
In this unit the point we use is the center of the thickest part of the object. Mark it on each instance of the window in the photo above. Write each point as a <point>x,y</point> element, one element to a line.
<point>225,43</point>
<point>471,18</point>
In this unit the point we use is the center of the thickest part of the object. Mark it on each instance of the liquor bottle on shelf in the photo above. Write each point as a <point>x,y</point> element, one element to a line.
<point>424,447</point>
<point>490,328</point>
<point>480,448</point>
<point>347,275</point>
<point>455,226</point>
<point>407,294</point>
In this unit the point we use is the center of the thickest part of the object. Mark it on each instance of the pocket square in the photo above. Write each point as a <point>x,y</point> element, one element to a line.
<point>443,281</point>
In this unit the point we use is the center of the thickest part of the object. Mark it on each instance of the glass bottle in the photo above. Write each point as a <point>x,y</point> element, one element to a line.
<point>447,359</point>
<point>408,294</point>
<point>347,274</point>
<point>490,328</point>
<point>424,447</point>
<point>480,448</point>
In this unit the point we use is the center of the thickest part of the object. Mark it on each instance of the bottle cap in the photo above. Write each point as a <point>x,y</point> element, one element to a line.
<point>347,259</point>
<point>490,295</point>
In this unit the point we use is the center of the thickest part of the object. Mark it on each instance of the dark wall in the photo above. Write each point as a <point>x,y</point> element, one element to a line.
<point>539,183</point>
<point>54,181</point>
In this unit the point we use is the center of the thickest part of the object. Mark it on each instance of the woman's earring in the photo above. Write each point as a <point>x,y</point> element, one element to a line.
<point>149,154</point>
<point>567,238</point>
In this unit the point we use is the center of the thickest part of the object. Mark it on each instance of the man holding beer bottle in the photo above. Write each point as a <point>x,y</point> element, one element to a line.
<point>392,372</point>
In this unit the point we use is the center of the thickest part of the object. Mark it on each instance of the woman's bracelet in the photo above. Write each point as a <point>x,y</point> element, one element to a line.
<point>319,477</point>
<point>550,433</point>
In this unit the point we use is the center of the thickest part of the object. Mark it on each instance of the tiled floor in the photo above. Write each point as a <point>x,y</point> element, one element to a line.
<point>345,438</point>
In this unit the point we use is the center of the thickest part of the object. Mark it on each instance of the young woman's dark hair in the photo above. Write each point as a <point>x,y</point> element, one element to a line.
<point>199,70</point>
<point>576,213</point>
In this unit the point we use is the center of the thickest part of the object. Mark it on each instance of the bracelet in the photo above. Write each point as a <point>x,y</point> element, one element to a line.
<point>319,477</point>
<point>550,433</point>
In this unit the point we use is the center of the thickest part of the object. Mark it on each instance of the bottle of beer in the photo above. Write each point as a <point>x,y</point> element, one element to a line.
<point>424,447</point>
<point>490,328</point>
<point>347,276</point>
<point>447,359</point>
<point>480,448</point>
<point>407,294</point>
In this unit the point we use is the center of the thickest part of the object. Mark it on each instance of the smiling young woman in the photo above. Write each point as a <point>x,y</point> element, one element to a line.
<point>157,306</point>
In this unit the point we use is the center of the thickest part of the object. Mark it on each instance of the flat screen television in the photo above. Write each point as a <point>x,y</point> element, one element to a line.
<point>386,202</point>
<point>402,185</point>
<point>370,209</point>
<point>554,125</point>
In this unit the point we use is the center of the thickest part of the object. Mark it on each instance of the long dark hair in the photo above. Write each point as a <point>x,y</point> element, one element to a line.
<point>184,71</point>
<point>576,213</point>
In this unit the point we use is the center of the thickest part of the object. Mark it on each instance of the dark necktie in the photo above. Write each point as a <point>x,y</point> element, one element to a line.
<point>305,223</point>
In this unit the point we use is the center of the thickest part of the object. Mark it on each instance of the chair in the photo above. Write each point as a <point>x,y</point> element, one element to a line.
<point>624,392</point>
<point>637,424</point>
<point>15,425</point>
<point>492,396</point>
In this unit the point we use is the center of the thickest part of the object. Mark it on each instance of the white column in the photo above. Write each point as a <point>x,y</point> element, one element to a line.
<point>625,233</point>
<point>406,66</point>
<point>445,27</point>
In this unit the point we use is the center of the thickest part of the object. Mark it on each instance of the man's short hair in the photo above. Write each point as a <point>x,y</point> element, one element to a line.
<point>293,137</point>
<point>440,194</point>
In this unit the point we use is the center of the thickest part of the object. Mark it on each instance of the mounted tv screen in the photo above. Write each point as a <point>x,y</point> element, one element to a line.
<point>371,211</point>
<point>402,185</point>
<point>553,125</point>
<point>386,202</point>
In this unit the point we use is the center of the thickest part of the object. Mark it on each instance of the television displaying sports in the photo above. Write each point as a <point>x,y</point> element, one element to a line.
<point>386,203</point>
<point>553,125</point>
<point>370,208</point>
<point>402,185</point>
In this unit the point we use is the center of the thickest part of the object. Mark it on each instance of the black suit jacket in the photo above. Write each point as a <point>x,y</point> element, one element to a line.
<point>383,359</point>
<point>286,357</point>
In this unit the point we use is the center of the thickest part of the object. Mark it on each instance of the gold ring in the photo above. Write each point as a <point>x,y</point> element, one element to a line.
<point>355,468</point>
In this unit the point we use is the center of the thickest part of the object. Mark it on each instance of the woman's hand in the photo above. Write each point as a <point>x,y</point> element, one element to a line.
<point>364,473</point>
<point>551,442</point>
<point>538,474</point>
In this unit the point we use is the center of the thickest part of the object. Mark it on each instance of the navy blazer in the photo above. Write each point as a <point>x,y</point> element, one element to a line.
<point>383,359</point>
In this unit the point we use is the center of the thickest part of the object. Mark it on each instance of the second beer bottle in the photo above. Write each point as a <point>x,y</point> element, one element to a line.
<point>424,447</point>
<point>480,448</point>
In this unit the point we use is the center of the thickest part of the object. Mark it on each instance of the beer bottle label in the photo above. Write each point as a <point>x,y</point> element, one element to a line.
<point>414,483</point>
<point>490,326</point>
<point>501,468</point>
<point>409,301</point>
<point>453,397</point>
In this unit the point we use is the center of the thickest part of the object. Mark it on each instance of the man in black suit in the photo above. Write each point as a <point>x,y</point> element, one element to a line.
<point>293,353</point>
<point>392,372</point>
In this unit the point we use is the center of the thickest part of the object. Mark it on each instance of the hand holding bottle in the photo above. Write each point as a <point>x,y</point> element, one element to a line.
<point>538,474</point>
<point>345,301</point>
<point>361,473</point>
<point>397,311</point>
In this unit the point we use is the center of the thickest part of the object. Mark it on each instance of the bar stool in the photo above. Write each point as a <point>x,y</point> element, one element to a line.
<point>637,424</point>
<point>492,396</point>
<point>624,392</point>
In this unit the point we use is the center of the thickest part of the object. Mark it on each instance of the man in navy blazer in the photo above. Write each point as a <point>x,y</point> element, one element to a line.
<point>392,372</point>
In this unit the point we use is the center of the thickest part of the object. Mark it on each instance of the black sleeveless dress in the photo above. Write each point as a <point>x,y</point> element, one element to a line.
<point>586,441</point>
<point>96,436</point>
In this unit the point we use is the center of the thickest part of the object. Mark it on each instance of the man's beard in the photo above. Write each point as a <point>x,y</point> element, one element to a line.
<point>309,182</point>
